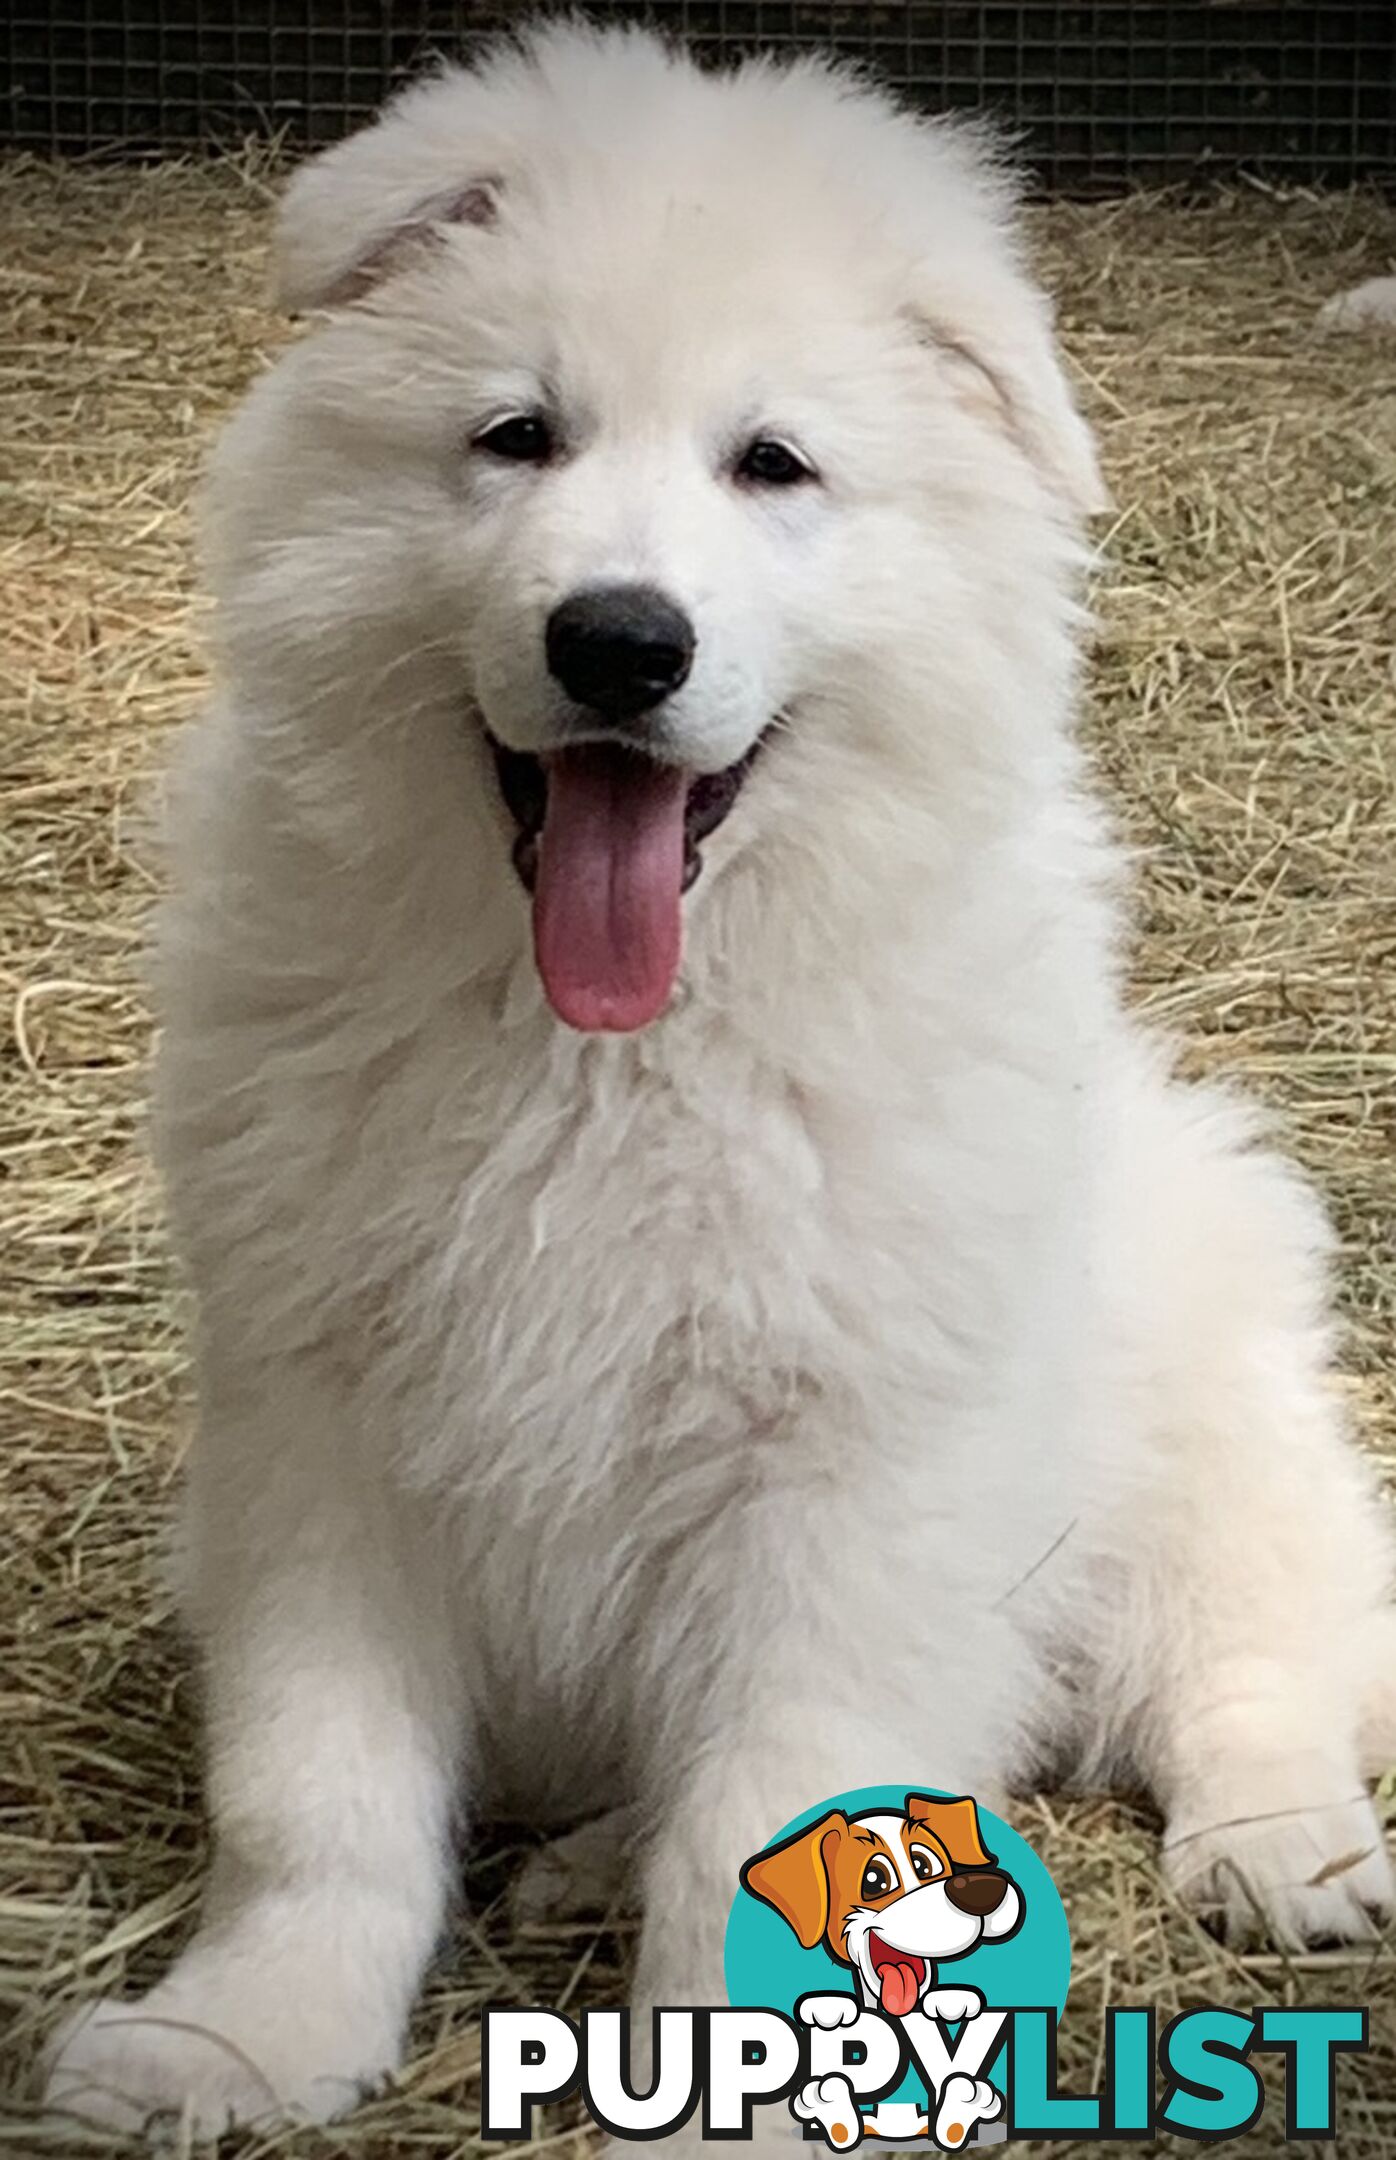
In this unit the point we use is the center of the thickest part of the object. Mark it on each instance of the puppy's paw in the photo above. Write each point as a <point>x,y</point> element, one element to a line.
<point>828,2012</point>
<point>1292,1852</point>
<point>583,1873</point>
<point>952,2005</point>
<point>965,2102</point>
<point>174,2058</point>
<point>829,2102</point>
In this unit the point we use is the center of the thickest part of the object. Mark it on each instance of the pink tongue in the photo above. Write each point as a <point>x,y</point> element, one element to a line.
<point>607,902</point>
<point>898,1989</point>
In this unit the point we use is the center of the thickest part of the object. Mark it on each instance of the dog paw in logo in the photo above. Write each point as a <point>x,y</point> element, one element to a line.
<point>898,1928</point>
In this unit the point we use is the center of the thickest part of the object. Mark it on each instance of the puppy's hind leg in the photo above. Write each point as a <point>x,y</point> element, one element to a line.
<point>1244,1578</point>
<point>333,1732</point>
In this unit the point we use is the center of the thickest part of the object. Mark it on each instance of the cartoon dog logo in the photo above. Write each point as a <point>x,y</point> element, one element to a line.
<point>893,1897</point>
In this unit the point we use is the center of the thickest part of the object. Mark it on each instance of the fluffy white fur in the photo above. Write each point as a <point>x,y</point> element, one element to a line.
<point>878,1369</point>
<point>1369,306</point>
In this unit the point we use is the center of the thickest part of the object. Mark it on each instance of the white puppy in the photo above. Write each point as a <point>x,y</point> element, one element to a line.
<point>773,1325</point>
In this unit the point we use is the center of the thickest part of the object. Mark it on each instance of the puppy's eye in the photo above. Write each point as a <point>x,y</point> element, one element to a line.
<point>878,1879</point>
<point>925,1865</point>
<point>769,462</point>
<point>521,438</point>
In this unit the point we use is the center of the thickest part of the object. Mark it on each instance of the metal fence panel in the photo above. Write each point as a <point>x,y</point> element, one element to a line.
<point>1104,94</point>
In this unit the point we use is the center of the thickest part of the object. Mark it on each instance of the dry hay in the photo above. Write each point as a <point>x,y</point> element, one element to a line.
<point>1243,712</point>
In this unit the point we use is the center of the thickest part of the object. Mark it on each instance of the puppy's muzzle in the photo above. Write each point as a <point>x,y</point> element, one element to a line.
<point>978,1894</point>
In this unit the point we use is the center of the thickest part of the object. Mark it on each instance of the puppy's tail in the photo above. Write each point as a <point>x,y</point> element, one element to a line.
<point>1379,1705</point>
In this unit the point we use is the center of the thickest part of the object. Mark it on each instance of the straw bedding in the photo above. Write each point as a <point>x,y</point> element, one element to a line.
<point>1243,716</point>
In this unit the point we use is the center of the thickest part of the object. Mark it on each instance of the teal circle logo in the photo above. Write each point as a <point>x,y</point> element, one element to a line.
<point>914,1903</point>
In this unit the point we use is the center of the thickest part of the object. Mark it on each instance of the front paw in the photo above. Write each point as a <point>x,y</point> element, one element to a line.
<point>209,2062</point>
<point>1296,1855</point>
<point>828,2012</point>
<point>953,2005</point>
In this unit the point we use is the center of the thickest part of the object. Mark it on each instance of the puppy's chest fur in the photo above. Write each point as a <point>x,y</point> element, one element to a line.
<point>545,1255</point>
<point>606,1258</point>
<point>637,1300</point>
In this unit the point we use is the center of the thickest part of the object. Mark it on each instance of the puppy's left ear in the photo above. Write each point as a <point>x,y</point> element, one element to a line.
<point>794,1877</point>
<point>955,1823</point>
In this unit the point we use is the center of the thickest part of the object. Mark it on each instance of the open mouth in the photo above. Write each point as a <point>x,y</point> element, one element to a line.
<point>609,841</point>
<point>900,1976</point>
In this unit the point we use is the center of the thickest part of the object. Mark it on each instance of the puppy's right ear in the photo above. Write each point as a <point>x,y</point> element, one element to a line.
<point>351,215</point>
<point>794,1877</point>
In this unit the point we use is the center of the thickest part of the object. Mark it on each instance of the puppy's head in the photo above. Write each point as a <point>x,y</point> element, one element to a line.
<point>703,433</point>
<point>891,1895</point>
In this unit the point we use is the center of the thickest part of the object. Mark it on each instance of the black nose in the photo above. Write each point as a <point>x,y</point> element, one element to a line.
<point>979,1894</point>
<point>619,649</point>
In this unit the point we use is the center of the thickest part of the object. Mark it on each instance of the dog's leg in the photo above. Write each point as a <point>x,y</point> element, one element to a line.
<point>731,1799</point>
<point>742,1791</point>
<point>1263,1630</point>
<point>1241,1579</point>
<point>804,1703</point>
<point>333,1733</point>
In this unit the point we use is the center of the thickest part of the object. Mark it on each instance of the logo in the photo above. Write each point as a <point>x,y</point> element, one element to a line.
<point>897,1960</point>
<point>899,1929</point>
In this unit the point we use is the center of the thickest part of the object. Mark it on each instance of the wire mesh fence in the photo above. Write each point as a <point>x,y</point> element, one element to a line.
<point>1103,94</point>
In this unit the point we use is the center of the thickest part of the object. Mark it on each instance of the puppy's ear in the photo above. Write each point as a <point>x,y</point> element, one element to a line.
<point>955,1823</point>
<point>355,212</point>
<point>1003,362</point>
<point>974,303</point>
<point>794,1877</point>
<point>344,276</point>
